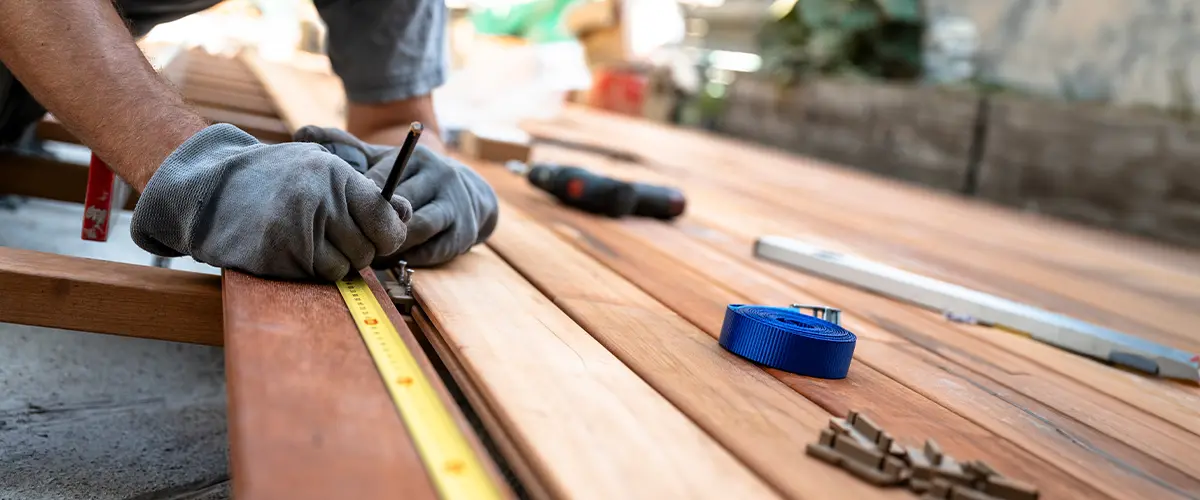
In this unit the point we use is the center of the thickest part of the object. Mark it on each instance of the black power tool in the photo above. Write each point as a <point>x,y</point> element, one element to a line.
<point>579,188</point>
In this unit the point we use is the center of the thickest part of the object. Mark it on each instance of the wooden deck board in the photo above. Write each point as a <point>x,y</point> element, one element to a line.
<point>687,290</point>
<point>929,231</point>
<point>753,415</point>
<point>587,424</point>
<point>309,416</point>
<point>90,295</point>
<point>1074,427</point>
<point>584,424</point>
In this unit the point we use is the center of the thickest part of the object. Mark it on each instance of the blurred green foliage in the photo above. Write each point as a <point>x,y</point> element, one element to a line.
<point>878,39</point>
<point>539,21</point>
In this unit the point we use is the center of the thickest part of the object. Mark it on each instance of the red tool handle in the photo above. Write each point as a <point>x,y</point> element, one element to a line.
<point>98,203</point>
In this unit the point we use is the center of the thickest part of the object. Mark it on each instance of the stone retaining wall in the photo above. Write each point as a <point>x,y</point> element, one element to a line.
<point>1129,170</point>
<point>920,135</point>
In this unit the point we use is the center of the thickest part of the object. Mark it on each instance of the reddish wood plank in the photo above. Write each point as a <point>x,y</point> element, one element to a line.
<point>309,416</point>
<point>264,128</point>
<point>701,301</point>
<point>673,276</point>
<point>57,291</point>
<point>229,99</point>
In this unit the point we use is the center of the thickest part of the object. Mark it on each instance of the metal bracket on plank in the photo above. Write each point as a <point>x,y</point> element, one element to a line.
<point>862,448</point>
<point>830,314</point>
<point>397,281</point>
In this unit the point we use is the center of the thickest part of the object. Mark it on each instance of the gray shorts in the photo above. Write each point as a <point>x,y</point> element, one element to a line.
<point>383,50</point>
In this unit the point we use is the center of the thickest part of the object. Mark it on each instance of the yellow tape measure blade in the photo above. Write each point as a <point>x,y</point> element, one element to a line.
<point>451,461</point>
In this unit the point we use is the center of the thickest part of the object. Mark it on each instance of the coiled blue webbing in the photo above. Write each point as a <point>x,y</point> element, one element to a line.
<point>788,339</point>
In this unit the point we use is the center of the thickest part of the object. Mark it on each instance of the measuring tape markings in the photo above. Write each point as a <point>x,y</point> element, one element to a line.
<point>450,460</point>
<point>788,340</point>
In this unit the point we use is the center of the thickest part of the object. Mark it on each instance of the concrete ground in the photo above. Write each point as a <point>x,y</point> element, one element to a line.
<point>89,416</point>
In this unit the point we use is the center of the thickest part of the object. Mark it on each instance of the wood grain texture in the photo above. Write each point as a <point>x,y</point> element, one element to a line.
<point>1058,432</point>
<point>1060,421</point>
<point>199,77</point>
<point>304,97</point>
<point>407,335</point>
<point>229,98</point>
<point>702,301</point>
<point>1058,265</point>
<point>759,419</point>
<point>309,416</point>
<point>1054,433</point>
<point>46,177</point>
<point>1100,260</point>
<point>506,443</point>
<point>263,128</point>
<point>1174,402</point>
<point>589,426</point>
<point>607,441</point>
<point>89,295</point>
<point>298,352</point>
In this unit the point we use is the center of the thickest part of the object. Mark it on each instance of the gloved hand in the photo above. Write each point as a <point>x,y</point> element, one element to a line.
<point>453,207</point>
<point>292,210</point>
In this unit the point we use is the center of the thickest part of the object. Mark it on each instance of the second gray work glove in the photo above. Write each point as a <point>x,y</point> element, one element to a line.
<point>291,211</point>
<point>453,207</point>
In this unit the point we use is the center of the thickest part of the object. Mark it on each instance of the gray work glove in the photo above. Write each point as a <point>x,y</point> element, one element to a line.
<point>453,207</point>
<point>292,211</point>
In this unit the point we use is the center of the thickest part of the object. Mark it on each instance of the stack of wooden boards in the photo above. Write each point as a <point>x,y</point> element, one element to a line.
<point>587,346</point>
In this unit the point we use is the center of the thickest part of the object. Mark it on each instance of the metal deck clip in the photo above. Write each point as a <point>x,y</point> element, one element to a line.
<point>830,314</point>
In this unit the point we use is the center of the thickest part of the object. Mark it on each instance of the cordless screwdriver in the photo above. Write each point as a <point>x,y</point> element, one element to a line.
<point>579,188</point>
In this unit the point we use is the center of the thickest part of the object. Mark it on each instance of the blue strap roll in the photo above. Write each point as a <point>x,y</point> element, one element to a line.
<point>788,340</point>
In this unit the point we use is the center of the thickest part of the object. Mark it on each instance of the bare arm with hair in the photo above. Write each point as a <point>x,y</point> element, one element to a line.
<point>78,59</point>
<point>213,192</point>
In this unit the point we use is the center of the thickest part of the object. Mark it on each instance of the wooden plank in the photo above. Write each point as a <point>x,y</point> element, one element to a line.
<point>1006,373</point>
<point>746,217</point>
<point>196,77</point>
<point>1118,437</point>
<point>687,289</point>
<point>1171,401</point>
<point>57,291</point>
<point>508,445</point>
<point>50,129</point>
<point>311,98</point>
<point>46,177</point>
<point>265,129</point>
<point>721,393</point>
<point>1127,439</point>
<point>844,207</point>
<point>589,425</point>
<point>1174,402</point>
<point>690,294</point>
<point>1167,399</point>
<point>309,416</point>
<point>405,330</point>
<point>226,99</point>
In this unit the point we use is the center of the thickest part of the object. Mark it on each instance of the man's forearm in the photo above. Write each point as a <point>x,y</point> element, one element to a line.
<point>79,60</point>
<point>387,123</point>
